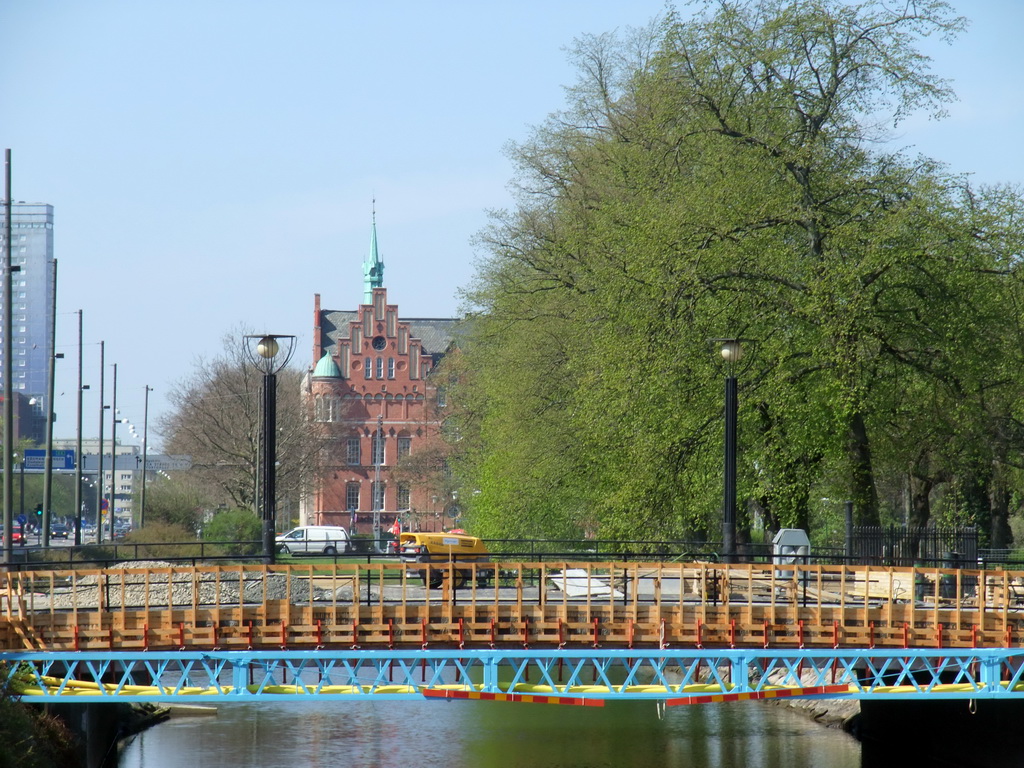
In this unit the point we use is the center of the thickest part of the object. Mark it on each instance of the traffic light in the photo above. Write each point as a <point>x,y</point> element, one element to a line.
<point>39,510</point>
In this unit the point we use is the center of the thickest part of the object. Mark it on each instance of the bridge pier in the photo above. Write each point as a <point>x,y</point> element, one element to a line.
<point>981,733</point>
<point>99,726</point>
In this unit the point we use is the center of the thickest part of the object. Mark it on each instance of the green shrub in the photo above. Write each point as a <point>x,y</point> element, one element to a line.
<point>159,541</point>
<point>240,530</point>
<point>30,738</point>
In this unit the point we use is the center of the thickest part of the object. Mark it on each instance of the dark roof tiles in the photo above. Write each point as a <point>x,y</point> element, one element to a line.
<point>435,334</point>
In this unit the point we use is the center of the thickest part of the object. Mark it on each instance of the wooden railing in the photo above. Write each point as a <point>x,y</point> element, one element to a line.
<point>382,605</point>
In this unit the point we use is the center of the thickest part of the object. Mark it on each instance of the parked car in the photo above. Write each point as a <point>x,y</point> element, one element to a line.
<point>314,540</point>
<point>440,548</point>
<point>59,531</point>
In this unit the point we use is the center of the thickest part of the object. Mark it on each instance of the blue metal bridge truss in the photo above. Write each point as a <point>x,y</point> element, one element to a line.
<point>588,676</point>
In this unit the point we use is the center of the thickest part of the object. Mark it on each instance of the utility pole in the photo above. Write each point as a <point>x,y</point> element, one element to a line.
<point>78,443</point>
<point>99,474</point>
<point>51,374</point>
<point>8,347</point>
<point>113,453</point>
<point>145,453</point>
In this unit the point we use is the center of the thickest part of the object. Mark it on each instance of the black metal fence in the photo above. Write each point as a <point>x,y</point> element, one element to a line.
<point>895,546</point>
<point>955,547</point>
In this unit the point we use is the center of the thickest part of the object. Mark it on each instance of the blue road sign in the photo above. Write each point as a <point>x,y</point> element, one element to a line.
<point>35,458</point>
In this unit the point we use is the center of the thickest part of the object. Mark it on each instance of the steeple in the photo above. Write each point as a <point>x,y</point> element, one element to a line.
<point>373,268</point>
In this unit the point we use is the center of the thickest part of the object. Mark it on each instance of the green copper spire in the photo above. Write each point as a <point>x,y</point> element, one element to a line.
<point>373,268</point>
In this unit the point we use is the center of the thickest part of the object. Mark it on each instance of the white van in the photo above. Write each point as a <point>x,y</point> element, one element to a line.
<point>314,540</point>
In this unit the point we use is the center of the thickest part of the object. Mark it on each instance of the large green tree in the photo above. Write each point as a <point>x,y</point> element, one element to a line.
<point>725,176</point>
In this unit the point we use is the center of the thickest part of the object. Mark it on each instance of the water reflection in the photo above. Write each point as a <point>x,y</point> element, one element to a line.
<point>492,735</point>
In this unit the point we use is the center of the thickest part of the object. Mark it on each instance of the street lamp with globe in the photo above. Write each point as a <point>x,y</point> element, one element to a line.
<point>269,353</point>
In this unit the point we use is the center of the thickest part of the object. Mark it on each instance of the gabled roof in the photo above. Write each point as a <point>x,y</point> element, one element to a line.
<point>435,334</point>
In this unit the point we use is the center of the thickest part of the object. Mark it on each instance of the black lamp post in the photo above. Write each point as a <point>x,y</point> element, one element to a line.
<point>731,352</point>
<point>268,357</point>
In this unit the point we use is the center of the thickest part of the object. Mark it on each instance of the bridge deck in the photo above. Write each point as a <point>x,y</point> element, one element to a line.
<point>509,605</point>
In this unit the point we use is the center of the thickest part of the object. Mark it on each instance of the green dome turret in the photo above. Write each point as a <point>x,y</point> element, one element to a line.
<point>326,368</point>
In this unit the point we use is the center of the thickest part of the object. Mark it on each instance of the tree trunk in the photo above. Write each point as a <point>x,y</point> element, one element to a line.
<point>975,510</point>
<point>862,479</point>
<point>762,505</point>
<point>1000,535</point>
<point>921,484</point>
<point>920,501</point>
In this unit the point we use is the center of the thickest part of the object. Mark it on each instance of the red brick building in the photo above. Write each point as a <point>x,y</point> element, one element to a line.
<point>371,391</point>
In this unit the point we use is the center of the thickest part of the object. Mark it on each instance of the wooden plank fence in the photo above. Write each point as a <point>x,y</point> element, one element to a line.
<point>501,604</point>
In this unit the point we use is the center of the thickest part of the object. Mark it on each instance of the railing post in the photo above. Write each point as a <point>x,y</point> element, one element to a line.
<point>849,530</point>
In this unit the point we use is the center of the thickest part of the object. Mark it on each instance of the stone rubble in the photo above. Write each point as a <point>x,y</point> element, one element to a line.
<point>186,589</point>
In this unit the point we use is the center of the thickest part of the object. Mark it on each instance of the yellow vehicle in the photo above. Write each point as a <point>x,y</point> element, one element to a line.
<point>441,548</point>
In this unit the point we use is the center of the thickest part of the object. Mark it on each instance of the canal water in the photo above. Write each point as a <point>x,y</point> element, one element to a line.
<point>460,734</point>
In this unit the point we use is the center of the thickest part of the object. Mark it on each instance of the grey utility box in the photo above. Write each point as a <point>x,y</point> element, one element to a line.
<point>790,546</point>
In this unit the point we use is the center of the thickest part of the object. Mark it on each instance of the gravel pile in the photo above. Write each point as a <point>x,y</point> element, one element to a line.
<point>185,589</point>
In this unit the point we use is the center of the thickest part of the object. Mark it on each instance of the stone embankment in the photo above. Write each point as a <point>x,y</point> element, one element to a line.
<point>833,713</point>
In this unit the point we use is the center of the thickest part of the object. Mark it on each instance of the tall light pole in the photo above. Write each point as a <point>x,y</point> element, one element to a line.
<point>51,375</point>
<point>113,450</point>
<point>99,472</point>
<point>731,352</point>
<point>21,503</point>
<point>78,442</point>
<point>145,454</point>
<point>8,373</point>
<point>266,354</point>
<point>48,460</point>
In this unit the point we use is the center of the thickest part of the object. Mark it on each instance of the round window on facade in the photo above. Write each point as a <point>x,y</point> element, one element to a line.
<point>379,342</point>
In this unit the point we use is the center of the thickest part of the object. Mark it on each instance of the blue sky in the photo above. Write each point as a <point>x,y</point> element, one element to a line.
<point>213,163</point>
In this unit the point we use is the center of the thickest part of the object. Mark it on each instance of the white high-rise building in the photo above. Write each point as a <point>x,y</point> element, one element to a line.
<point>32,290</point>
